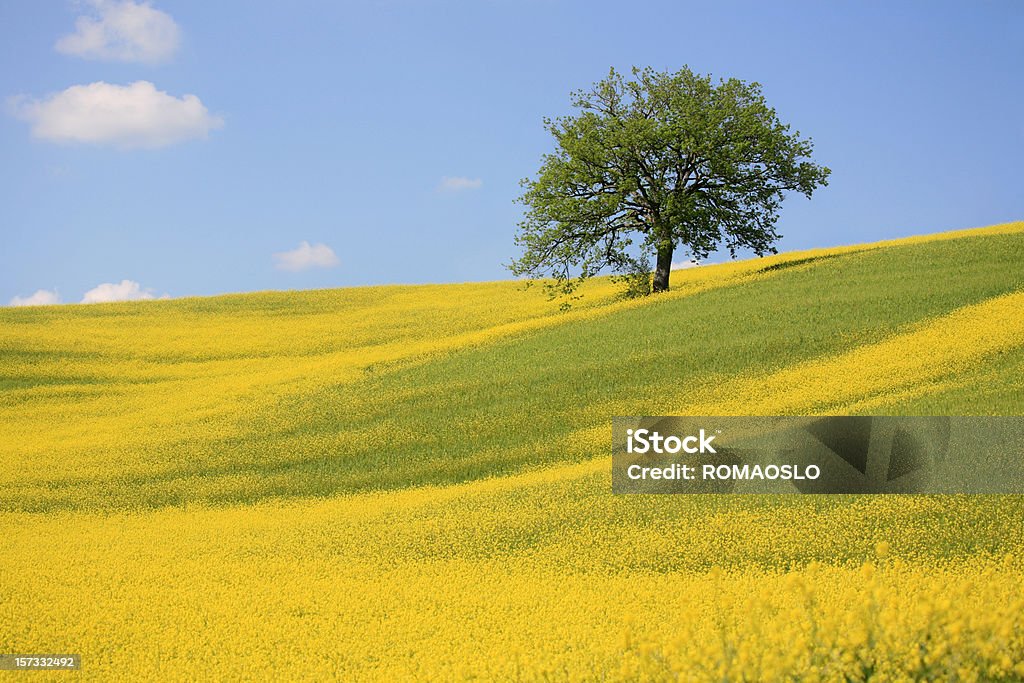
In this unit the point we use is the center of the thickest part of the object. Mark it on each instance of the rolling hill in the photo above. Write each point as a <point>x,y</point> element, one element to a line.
<point>414,481</point>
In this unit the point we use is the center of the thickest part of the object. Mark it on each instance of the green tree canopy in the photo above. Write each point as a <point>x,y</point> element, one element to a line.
<point>655,163</point>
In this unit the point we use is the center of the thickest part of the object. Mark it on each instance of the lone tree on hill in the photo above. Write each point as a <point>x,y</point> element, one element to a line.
<point>664,160</point>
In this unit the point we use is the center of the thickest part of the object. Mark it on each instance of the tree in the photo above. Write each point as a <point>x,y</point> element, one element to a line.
<point>662,161</point>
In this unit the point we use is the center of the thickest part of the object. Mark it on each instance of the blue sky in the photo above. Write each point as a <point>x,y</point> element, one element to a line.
<point>335,125</point>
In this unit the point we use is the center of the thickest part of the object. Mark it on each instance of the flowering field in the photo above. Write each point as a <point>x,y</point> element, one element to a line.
<point>396,482</point>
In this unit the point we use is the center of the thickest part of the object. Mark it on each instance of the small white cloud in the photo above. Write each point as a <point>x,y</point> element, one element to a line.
<point>126,290</point>
<point>42,297</point>
<point>122,31</point>
<point>306,256</point>
<point>459,184</point>
<point>125,116</point>
<point>684,264</point>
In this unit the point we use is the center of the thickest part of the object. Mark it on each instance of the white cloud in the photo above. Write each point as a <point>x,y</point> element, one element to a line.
<point>126,290</point>
<point>684,264</point>
<point>122,31</point>
<point>459,184</point>
<point>306,256</point>
<point>42,297</point>
<point>136,115</point>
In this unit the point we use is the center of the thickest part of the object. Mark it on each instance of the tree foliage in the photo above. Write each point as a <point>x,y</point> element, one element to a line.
<point>653,163</point>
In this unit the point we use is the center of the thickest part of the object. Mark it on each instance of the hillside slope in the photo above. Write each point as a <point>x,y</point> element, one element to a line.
<point>237,398</point>
<point>397,482</point>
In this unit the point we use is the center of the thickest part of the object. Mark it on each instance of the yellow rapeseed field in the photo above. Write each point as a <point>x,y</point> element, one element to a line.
<point>533,573</point>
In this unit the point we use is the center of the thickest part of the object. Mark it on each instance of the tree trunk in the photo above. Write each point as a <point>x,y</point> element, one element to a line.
<point>664,267</point>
